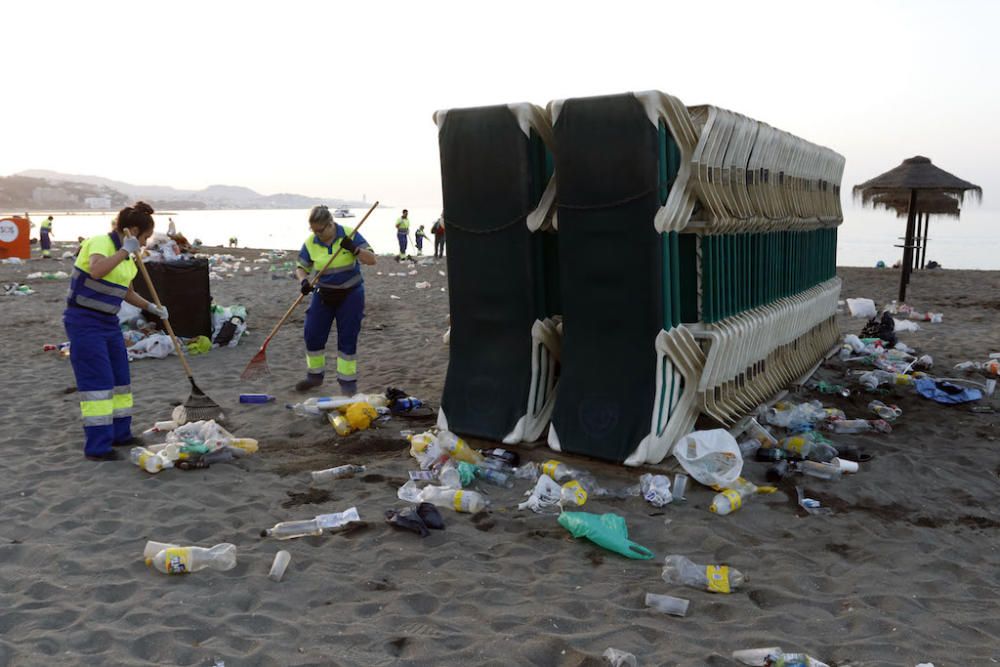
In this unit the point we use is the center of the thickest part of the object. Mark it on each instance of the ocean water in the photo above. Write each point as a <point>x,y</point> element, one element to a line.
<point>867,236</point>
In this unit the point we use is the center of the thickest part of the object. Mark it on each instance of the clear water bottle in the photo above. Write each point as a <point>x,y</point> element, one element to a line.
<point>287,530</point>
<point>147,460</point>
<point>729,500</point>
<point>809,445</point>
<point>340,472</point>
<point>713,578</point>
<point>830,471</point>
<point>495,477</point>
<point>848,426</point>
<point>182,560</point>
<point>556,470</point>
<point>459,500</point>
<point>886,412</point>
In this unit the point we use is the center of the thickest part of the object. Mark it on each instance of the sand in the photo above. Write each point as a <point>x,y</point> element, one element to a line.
<point>905,570</point>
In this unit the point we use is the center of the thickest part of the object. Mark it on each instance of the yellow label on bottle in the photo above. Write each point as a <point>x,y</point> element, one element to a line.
<point>794,444</point>
<point>576,492</point>
<point>735,499</point>
<point>718,578</point>
<point>457,501</point>
<point>549,468</point>
<point>178,560</point>
<point>143,458</point>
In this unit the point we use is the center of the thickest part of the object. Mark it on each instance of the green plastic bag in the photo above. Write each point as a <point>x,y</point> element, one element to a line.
<point>605,530</point>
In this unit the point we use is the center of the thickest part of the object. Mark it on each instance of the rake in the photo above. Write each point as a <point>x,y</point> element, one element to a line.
<point>257,368</point>
<point>198,406</point>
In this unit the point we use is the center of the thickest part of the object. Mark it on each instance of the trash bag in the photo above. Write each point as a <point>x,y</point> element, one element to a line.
<point>407,519</point>
<point>711,457</point>
<point>946,392</point>
<point>883,328</point>
<point>605,530</point>
<point>428,512</point>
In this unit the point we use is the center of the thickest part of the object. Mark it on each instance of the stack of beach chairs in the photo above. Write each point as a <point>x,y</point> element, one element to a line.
<point>634,263</point>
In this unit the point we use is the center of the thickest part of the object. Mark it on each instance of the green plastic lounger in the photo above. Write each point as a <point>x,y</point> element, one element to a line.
<point>499,195</point>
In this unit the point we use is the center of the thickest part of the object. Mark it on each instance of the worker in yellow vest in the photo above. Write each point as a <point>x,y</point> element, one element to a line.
<point>339,296</point>
<point>403,232</point>
<point>101,280</point>
<point>45,237</point>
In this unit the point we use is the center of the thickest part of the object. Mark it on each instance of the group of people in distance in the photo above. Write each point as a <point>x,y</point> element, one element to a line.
<point>328,269</point>
<point>403,236</point>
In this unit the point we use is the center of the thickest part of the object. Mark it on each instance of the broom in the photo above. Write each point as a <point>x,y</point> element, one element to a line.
<point>198,406</point>
<point>257,368</point>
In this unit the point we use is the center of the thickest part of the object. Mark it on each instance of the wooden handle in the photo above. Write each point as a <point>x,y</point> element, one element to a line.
<point>313,282</point>
<point>166,321</point>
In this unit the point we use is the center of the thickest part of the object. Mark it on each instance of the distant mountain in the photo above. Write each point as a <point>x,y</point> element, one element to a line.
<point>42,188</point>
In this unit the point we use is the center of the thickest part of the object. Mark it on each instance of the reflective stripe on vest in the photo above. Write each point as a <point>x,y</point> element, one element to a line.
<point>101,294</point>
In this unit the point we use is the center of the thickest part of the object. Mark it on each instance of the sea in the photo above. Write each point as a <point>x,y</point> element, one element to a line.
<point>866,237</point>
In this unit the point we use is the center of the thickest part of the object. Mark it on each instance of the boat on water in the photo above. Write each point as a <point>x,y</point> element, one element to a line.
<point>343,213</point>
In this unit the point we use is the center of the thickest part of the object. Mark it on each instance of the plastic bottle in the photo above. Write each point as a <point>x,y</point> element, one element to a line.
<point>732,498</point>
<point>777,472</point>
<point>287,530</point>
<point>556,470</point>
<point>457,499</point>
<point>809,446</point>
<point>152,548</point>
<point>846,426</point>
<point>829,388</point>
<point>340,472</point>
<point>243,445</point>
<point>448,475</point>
<point>749,447</point>
<point>667,604</point>
<point>306,408</point>
<point>256,398</point>
<point>713,578</point>
<point>495,477</point>
<point>886,412</point>
<point>773,454</point>
<point>458,448</point>
<point>872,379</point>
<point>281,560</point>
<point>829,471</point>
<point>147,460</point>
<point>182,560</point>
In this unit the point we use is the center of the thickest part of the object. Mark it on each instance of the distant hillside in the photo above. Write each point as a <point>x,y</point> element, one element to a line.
<point>41,188</point>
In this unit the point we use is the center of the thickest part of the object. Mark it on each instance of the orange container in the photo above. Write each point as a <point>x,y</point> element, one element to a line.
<point>15,238</point>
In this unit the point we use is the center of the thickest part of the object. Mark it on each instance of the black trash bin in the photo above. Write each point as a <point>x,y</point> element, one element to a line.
<point>183,287</point>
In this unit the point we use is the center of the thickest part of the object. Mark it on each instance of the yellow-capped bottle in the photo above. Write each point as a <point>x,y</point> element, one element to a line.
<point>458,449</point>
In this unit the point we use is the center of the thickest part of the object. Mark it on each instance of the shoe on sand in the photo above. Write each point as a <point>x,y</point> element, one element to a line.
<point>111,455</point>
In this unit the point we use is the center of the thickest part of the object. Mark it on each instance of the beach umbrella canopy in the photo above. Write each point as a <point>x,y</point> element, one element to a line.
<point>915,177</point>
<point>932,203</point>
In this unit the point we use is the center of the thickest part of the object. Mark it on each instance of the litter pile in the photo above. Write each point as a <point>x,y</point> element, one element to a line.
<point>190,446</point>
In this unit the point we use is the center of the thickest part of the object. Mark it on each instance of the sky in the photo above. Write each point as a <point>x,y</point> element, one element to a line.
<point>334,99</point>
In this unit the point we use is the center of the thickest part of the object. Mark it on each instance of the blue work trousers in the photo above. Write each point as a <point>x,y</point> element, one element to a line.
<point>348,314</point>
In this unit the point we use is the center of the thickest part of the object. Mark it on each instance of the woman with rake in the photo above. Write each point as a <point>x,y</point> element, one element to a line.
<point>101,280</point>
<point>339,295</point>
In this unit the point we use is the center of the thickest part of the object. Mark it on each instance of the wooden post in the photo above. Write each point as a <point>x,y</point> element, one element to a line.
<point>907,263</point>
<point>923,256</point>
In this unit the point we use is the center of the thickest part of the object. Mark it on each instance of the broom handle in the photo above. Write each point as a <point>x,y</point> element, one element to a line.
<point>166,322</point>
<point>313,283</point>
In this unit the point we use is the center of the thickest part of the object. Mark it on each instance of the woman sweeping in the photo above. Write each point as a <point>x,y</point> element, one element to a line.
<point>339,295</point>
<point>101,280</point>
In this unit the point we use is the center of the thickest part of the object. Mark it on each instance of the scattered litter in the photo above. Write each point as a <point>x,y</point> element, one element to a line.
<point>906,325</point>
<point>47,275</point>
<point>393,296</point>
<point>668,604</point>
<point>861,308</point>
<point>655,489</point>
<point>618,658</point>
<point>682,570</point>
<point>755,657</point>
<point>279,565</point>
<point>334,522</point>
<point>183,560</point>
<point>605,530</point>
<point>422,284</point>
<point>16,289</point>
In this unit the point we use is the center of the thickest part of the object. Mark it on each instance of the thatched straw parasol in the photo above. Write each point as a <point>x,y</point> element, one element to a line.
<point>915,175</point>
<point>928,204</point>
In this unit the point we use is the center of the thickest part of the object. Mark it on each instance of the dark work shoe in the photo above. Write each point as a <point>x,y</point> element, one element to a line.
<point>111,455</point>
<point>131,441</point>
<point>347,388</point>
<point>308,384</point>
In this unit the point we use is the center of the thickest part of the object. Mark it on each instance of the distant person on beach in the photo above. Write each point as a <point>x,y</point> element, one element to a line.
<point>403,232</point>
<point>45,237</point>
<point>437,229</point>
<point>418,239</point>
<point>101,280</point>
<point>233,241</point>
<point>339,295</point>
<point>171,228</point>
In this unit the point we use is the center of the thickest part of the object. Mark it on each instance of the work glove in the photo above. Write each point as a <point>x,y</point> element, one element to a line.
<point>130,244</point>
<point>305,286</point>
<point>347,243</point>
<point>159,311</point>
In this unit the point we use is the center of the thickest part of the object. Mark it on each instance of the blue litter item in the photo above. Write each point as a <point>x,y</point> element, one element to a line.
<point>946,392</point>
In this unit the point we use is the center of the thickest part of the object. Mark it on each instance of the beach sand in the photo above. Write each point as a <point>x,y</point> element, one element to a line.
<point>905,570</point>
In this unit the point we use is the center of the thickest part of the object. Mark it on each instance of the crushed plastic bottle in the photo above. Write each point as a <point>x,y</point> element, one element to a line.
<point>829,471</point>
<point>340,472</point>
<point>495,477</point>
<point>148,461</point>
<point>729,500</point>
<point>713,578</point>
<point>887,412</point>
<point>655,489</point>
<point>459,500</point>
<point>848,426</point>
<point>873,379</point>
<point>287,530</point>
<point>183,560</point>
<point>808,445</point>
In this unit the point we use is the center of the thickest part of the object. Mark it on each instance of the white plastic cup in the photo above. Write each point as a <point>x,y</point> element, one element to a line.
<point>281,560</point>
<point>680,483</point>
<point>845,465</point>
<point>667,604</point>
<point>757,657</point>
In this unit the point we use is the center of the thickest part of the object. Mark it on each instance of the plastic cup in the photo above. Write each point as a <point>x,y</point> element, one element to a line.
<point>755,656</point>
<point>281,560</point>
<point>667,604</point>
<point>845,465</point>
<point>680,483</point>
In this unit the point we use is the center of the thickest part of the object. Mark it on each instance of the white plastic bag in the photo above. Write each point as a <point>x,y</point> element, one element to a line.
<point>711,457</point>
<point>862,308</point>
